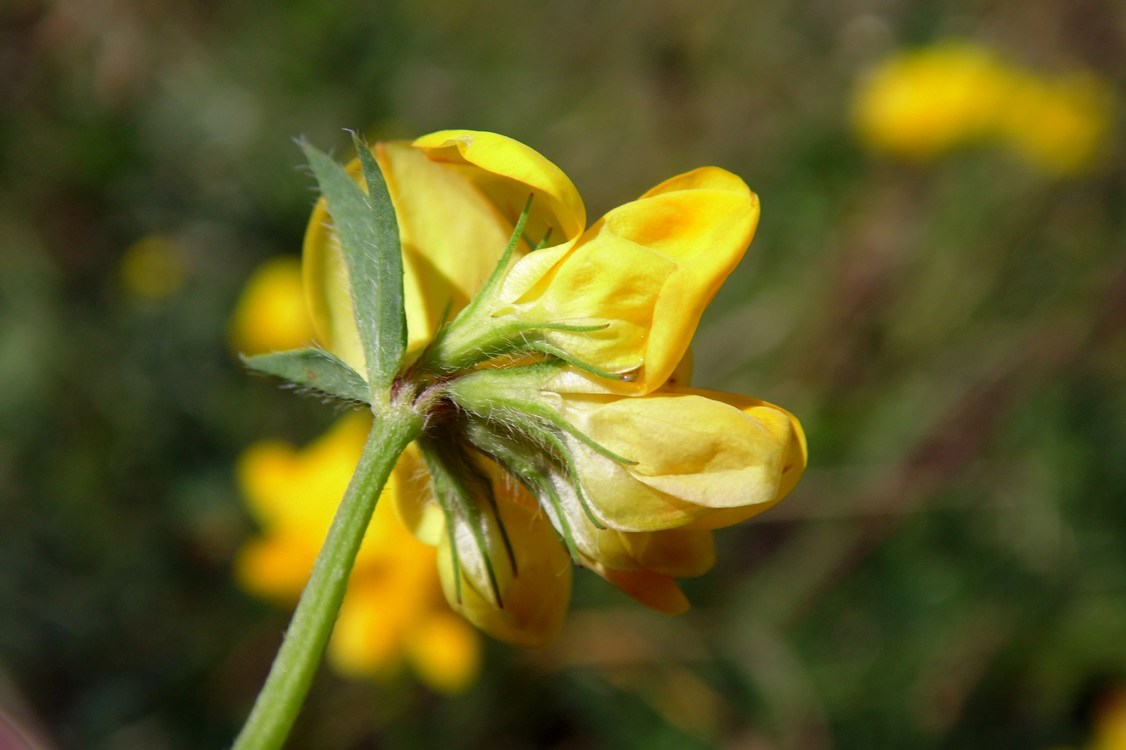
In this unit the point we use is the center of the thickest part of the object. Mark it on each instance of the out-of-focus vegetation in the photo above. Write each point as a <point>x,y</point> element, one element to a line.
<point>952,331</point>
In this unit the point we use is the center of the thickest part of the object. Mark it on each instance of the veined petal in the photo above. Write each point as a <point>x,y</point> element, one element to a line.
<point>452,236</point>
<point>696,456</point>
<point>793,464</point>
<point>648,269</point>
<point>620,501</point>
<point>534,596</point>
<point>507,172</point>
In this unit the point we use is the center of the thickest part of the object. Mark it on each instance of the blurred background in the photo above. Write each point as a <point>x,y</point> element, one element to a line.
<point>937,289</point>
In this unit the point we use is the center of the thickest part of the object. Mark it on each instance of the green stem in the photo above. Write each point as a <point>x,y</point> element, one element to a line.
<point>281,697</point>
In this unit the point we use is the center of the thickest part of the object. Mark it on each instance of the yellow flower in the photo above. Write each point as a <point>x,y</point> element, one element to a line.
<point>1109,731</point>
<point>271,314</point>
<point>923,103</point>
<point>928,101</point>
<point>393,611</point>
<point>1059,124</point>
<point>552,377</point>
<point>153,268</point>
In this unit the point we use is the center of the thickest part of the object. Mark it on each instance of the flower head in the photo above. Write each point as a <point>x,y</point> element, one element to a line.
<point>547,360</point>
<point>153,268</point>
<point>1060,123</point>
<point>926,102</point>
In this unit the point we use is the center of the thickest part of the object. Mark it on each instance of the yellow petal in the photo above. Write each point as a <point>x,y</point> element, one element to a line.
<point>648,269</point>
<point>294,494</point>
<point>696,456</point>
<point>507,172</point>
<point>680,553</point>
<point>394,591</point>
<point>793,465</point>
<point>1061,123</point>
<point>621,502</point>
<point>264,472</point>
<point>928,101</point>
<point>535,596</point>
<point>693,447</point>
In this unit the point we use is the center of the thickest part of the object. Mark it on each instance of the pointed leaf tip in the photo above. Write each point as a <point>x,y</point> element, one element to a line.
<point>369,239</point>
<point>314,369</point>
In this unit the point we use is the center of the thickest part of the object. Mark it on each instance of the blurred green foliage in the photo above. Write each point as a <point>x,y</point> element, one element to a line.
<point>950,573</point>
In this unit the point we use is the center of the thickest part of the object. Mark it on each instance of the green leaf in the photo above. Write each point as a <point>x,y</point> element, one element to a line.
<point>369,236</point>
<point>316,370</point>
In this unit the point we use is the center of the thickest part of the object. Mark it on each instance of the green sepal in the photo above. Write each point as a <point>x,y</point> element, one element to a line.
<point>369,238</point>
<point>548,443</point>
<point>558,444</point>
<point>532,468</point>
<point>459,344</point>
<point>314,370</point>
<point>460,486</point>
<point>554,351</point>
<point>511,396</point>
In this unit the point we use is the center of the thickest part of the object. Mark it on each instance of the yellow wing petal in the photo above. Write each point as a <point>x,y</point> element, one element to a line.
<point>696,455</point>
<point>648,269</point>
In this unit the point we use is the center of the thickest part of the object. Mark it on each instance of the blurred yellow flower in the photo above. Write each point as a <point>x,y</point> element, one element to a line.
<point>558,423</point>
<point>393,611</point>
<point>271,315</point>
<point>153,268</point>
<point>1060,124</point>
<point>1109,731</point>
<point>923,103</point>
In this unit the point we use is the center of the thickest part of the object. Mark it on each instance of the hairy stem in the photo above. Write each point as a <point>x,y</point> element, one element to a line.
<point>280,700</point>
